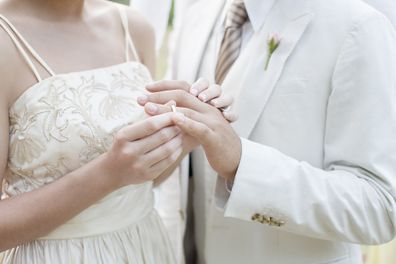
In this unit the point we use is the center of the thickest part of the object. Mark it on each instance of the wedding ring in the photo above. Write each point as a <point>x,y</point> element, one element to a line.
<point>173,107</point>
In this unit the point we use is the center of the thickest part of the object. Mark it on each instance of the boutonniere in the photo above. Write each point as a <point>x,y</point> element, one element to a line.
<point>272,43</point>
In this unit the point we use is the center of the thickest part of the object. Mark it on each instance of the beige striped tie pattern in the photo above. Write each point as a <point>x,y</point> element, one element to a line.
<point>232,40</point>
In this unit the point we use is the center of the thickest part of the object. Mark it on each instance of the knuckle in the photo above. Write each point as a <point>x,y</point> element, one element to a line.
<point>185,85</point>
<point>179,95</point>
<point>138,168</point>
<point>120,136</point>
<point>167,150</point>
<point>151,126</point>
<point>164,135</point>
<point>205,130</point>
<point>182,95</point>
<point>187,113</point>
<point>126,153</point>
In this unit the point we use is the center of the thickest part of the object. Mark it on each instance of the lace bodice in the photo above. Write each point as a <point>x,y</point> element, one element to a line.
<point>65,121</point>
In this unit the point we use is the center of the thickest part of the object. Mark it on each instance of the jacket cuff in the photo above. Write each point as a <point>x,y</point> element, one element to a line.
<point>251,195</point>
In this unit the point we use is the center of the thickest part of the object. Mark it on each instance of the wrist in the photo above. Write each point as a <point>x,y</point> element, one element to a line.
<point>104,171</point>
<point>231,171</point>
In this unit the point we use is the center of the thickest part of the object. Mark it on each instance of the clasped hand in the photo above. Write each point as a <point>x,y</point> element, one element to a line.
<point>200,120</point>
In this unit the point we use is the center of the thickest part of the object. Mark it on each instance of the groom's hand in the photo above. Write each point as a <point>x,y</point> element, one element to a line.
<point>189,142</point>
<point>203,122</point>
<point>211,94</point>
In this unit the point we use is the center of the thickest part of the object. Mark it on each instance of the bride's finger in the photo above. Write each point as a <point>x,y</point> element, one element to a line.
<point>212,92</point>
<point>222,101</point>
<point>143,128</point>
<point>168,86</point>
<point>158,109</point>
<point>182,98</point>
<point>199,86</point>
<point>196,129</point>
<point>164,164</point>
<point>153,141</point>
<point>163,151</point>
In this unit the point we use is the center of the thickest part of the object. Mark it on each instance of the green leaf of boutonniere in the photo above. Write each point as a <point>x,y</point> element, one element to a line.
<point>272,43</point>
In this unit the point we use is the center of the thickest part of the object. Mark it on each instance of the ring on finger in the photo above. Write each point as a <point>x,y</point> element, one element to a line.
<point>173,108</point>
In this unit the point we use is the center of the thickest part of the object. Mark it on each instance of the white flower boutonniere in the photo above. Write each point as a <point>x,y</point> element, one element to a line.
<point>272,43</point>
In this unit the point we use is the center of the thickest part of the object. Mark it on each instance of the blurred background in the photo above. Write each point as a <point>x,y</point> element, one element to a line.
<point>125,2</point>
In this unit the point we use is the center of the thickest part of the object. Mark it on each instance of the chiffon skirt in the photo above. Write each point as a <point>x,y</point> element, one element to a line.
<point>124,234</point>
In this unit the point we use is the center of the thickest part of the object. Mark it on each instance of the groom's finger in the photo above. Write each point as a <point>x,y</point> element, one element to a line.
<point>158,109</point>
<point>230,116</point>
<point>168,86</point>
<point>196,129</point>
<point>212,92</point>
<point>222,101</point>
<point>199,86</point>
<point>181,98</point>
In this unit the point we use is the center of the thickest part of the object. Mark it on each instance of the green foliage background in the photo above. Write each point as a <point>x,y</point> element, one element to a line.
<point>125,2</point>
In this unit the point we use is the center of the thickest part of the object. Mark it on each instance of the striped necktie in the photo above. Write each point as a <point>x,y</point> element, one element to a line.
<point>232,40</point>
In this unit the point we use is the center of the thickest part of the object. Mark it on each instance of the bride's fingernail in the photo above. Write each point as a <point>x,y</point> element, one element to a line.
<point>142,99</point>
<point>152,108</point>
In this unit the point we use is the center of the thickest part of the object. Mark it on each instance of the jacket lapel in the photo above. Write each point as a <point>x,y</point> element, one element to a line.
<point>192,44</point>
<point>248,80</point>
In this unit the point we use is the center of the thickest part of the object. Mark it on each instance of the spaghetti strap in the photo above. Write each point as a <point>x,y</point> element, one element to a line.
<point>21,45</point>
<point>128,39</point>
<point>21,50</point>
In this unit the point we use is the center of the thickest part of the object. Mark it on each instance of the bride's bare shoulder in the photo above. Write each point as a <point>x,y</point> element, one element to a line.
<point>141,30</point>
<point>9,63</point>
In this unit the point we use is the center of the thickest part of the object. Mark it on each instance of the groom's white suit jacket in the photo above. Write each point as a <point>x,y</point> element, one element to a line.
<point>318,129</point>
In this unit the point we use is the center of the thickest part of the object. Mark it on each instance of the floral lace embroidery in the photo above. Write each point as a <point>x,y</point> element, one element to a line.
<point>70,124</point>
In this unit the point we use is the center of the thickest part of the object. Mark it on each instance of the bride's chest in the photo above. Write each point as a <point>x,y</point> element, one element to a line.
<point>63,123</point>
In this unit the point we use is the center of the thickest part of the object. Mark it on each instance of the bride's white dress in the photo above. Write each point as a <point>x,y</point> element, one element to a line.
<point>62,123</point>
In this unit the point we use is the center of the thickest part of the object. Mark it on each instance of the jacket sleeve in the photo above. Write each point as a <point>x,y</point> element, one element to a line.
<point>352,197</point>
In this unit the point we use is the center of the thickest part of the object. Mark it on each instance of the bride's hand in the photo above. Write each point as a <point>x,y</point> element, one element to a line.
<point>143,151</point>
<point>205,92</point>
